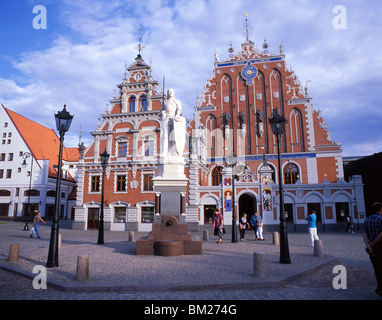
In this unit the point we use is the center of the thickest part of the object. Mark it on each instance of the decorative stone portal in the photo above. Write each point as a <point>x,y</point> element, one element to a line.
<point>169,238</point>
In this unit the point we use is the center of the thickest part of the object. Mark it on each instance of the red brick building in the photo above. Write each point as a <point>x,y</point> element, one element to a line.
<point>232,116</point>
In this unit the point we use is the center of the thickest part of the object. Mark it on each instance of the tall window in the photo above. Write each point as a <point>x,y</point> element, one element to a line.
<point>290,173</point>
<point>132,104</point>
<point>121,183</point>
<point>148,145</point>
<point>122,149</point>
<point>143,103</point>
<point>94,185</point>
<point>147,182</point>
<point>217,176</point>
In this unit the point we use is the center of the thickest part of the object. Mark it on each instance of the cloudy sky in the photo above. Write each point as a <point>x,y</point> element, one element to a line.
<point>79,58</point>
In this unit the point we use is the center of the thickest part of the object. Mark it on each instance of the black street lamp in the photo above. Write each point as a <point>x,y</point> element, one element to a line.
<point>278,128</point>
<point>104,160</point>
<point>63,121</point>
<point>25,156</point>
<point>231,161</point>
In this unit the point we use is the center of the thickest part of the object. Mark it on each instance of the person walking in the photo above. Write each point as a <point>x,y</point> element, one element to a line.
<point>372,236</point>
<point>36,222</point>
<point>350,225</point>
<point>254,220</point>
<point>312,228</point>
<point>218,225</point>
<point>243,226</point>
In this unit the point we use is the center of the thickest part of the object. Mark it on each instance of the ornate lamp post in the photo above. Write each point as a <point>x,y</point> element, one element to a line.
<point>104,160</point>
<point>278,128</point>
<point>63,121</point>
<point>25,156</point>
<point>231,161</point>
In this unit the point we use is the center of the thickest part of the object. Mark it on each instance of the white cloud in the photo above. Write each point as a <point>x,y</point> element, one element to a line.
<point>83,65</point>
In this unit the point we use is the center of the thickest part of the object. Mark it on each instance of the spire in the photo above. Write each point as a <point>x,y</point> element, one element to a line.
<point>246,27</point>
<point>246,31</point>
<point>139,46</point>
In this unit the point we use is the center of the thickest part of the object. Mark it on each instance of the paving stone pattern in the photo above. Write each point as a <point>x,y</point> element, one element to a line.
<point>222,272</point>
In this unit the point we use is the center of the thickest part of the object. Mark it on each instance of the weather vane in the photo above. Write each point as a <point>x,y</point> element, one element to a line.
<point>247,27</point>
<point>139,47</point>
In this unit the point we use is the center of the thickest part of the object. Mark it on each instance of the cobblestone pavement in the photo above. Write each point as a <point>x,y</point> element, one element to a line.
<point>223,272</point>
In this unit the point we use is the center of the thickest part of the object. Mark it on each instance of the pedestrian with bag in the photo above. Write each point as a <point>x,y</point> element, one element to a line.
<point>36,222</point>
<point>218,225</point>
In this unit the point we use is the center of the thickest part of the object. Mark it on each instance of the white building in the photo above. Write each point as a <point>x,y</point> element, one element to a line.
<point>28,157</point>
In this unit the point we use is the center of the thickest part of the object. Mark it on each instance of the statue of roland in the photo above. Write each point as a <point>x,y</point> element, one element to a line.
<point>173,127</point>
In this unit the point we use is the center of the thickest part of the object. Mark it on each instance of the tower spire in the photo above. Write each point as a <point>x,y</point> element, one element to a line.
<point>139,46</point>
<point>247,28</point>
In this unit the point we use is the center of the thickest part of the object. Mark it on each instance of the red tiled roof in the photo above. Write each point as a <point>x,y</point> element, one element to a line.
<point>42,142</point>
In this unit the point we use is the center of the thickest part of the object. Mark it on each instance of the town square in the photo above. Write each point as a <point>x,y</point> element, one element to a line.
<point>169,150</point>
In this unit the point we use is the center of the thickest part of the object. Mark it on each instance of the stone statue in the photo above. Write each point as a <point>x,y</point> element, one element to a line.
<point>173,127</point>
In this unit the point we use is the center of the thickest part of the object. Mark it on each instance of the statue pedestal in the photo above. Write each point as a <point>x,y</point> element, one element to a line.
<point>170,236</point>
<point>171,184</point>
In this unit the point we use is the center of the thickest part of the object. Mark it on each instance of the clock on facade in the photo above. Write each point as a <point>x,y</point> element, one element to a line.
<point>249,72</point>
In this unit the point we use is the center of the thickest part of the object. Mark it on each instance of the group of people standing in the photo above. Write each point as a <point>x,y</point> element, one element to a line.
<point>257,225</point>
<point>255,222</point>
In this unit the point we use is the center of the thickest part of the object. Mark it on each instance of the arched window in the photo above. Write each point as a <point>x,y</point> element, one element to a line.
<point>51,193</point>
<point>143,103</point>
<point>32,193</point>
<point>5,193</point>
<point>211,135</point>
<point>296,131</point>
<point>132,104</point>
<point>291,173</point>
<point>217,176</point>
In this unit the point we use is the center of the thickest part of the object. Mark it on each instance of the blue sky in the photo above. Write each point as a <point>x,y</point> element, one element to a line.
<point>79,58</point>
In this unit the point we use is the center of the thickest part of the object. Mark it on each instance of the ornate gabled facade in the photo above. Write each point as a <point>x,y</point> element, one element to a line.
<point>231,117</point>
<point>130,134</point>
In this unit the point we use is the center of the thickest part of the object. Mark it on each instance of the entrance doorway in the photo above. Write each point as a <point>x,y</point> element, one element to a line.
<point>93,217</point>
<point>248,205</point>
<point>342,211</point>
<point>288,207</point>
<point>209,213</point>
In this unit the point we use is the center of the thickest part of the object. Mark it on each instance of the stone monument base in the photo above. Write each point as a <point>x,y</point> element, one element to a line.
<point>169,238</point>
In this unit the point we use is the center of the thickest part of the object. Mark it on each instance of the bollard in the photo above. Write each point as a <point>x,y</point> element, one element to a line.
<point>59,240</point>
<point>276,239</point>
<point>258,264</point>
<point>205,235</point>
<point>82,268</point>
<point>13,253</point>
<point>131,236</point>
<point>318,248</point>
